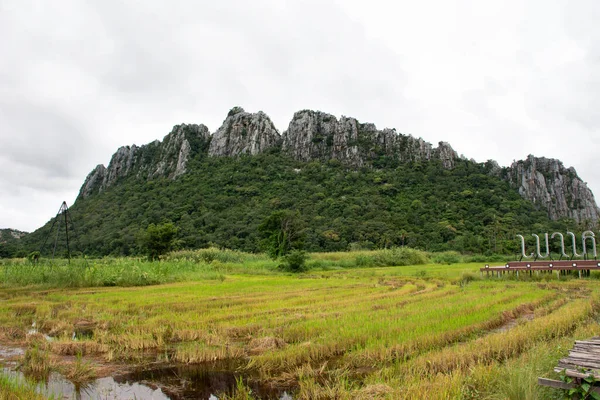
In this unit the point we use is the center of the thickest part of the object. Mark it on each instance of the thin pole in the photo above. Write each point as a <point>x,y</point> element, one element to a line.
<point>56,240</point>
<point>50,231</point>
<point>67,232</point>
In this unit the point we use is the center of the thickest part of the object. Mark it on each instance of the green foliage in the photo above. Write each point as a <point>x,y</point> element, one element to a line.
<point>584,387</point>
<point>208,256</point>
<point>36,363</point>
<point>158,239</point>
<point>447,257</point>
<point>13,387</point>
<point>282,232</point>
<point>11,245</point>
<point>295,261</point>
<point>34,257</point>
<point>399,257</point>
<point>107,272</point>
<point>237,203</point>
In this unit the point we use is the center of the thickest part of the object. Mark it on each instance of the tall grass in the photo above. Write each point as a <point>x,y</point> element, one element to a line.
<point>14,388</point>
<point>398,256</point>
<point>104,272</point>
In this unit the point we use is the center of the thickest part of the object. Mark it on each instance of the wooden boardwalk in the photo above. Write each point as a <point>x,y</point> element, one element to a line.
<point>531,267</point>
<point>583,361</point>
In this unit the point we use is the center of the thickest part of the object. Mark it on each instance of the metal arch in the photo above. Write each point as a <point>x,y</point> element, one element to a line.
<point>562,243</point>
<point>523,247</point>
<point>589,235</point>
<point>537,246</point>
<point>574,244</point>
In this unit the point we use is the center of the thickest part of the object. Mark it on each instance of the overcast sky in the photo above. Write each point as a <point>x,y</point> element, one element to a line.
<point>497,79</point>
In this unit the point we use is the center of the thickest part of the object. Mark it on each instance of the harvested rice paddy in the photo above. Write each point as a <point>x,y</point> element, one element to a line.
<point>426,331</point>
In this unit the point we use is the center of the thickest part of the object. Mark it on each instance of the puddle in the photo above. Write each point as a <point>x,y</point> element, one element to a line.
<point>104,388</point>
<point>199,382</point>
<point>10,353</point>
<point>173,382</point>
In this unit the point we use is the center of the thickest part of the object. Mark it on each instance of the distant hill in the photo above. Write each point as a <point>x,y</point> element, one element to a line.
<point>10,242</point>
<point>352,186</point>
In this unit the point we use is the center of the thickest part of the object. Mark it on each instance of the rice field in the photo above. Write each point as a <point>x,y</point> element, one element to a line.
<point>417,331</point>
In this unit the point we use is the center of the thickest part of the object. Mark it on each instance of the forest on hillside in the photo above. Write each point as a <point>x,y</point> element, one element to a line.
<point>222,201</point>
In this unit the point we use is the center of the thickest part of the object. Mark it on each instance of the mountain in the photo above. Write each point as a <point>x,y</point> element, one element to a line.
<point>351,184</point>
<point>553,188</point>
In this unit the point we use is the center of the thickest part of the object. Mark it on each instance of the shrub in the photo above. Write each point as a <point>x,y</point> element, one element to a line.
<point>400,257</point>
<point>295,261</point>
<point>447,257</point>
<point>158,239</point>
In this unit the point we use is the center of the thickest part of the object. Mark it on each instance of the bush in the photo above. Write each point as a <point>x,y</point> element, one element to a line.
<point>207,256</point>
<point>447,257</point>
<point>294,261</point>
<point>158,239</point>
<point>400,256</point>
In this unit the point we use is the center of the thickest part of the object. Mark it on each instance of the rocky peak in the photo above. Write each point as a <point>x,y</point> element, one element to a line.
<point>314,135</point>
<point>244,133</point>
<point>317,135</point>
<point>168,158</point>
<point>446,154</point>
<point>553,188</point>
<point>120,164</point>
<point>93,182</point>
<point>176,150</point>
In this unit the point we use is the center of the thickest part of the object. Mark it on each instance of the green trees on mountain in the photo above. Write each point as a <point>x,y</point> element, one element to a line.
<point>281,232</point>
<point>10,246</point>
<point>273,203</point>
<point>157,240</point>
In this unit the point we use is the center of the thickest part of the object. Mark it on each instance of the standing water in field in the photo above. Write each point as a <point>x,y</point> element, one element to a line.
<point>172,382</point>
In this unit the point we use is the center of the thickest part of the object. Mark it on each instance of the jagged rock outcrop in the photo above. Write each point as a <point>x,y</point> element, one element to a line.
<point>314,135</point>
<point>446,154</point>
<point>553,188</point>
<point>244,133</point>
<point>176,150</point>
<point>168,158</point>
<point>94,182</point>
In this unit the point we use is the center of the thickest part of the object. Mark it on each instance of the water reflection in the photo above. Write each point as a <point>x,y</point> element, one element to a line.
<point>103,388</point>
<point>173,382</point>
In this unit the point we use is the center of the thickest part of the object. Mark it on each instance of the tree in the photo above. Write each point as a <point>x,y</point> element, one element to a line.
<point>282,232</point>
<point>158,239</point>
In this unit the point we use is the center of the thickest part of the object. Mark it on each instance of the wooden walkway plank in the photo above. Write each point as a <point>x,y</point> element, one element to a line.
<point>561,385</point>
<point>583,361</point>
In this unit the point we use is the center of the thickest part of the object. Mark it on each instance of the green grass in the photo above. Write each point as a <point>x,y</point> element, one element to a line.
<point>13,388</point>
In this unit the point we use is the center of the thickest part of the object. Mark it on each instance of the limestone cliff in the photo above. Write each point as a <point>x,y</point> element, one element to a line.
<point>553,188</point>
<point>244,133</point>
<point>314,135</point>
<point>168,159</point>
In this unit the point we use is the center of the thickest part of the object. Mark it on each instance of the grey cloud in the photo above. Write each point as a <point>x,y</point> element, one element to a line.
<point>42,139</point>
<point>98,75</point>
